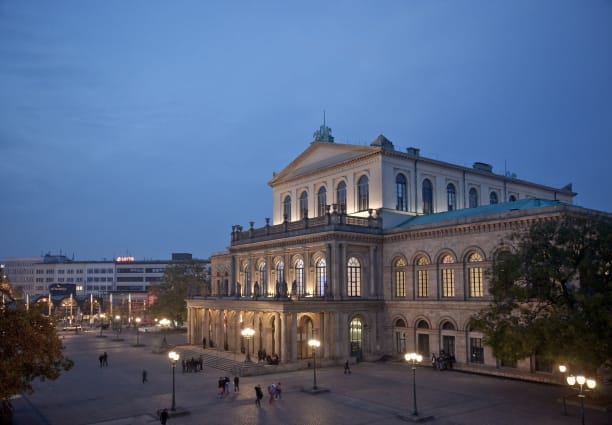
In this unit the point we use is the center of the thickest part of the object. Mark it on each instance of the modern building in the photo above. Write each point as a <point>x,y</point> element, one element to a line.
<point>372,251</point>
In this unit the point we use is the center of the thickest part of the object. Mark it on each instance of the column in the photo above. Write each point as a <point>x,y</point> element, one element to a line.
<point>284,347</point>
<point>372,270</point>
<point>277,337</point>
<point>293,337</point>
<point>206,326</point>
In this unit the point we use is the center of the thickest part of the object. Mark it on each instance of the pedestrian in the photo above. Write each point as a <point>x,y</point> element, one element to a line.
<point>278,393</point>
<point>226,382</point>
<point>236,384</point>
<point>258,395</point>
<point>105,359</point>
<point>434,361</point>
<point>347,368</point>
<point>271,392</point>
<point>163,416</point>
<point>144,376</point>
<point>101,358</point>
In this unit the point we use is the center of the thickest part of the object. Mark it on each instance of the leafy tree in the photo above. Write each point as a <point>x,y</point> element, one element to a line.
<point>552,294</point>
<point>180,281</point>
<point>29,349</point>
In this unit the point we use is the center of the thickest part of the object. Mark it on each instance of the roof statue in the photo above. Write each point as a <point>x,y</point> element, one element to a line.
<point>323,134</point>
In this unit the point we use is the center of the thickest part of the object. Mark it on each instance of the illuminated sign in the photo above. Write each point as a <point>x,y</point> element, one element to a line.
<point>124,259</point>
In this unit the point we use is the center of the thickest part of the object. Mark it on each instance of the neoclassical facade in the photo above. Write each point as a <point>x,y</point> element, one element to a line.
<point>372,251</point>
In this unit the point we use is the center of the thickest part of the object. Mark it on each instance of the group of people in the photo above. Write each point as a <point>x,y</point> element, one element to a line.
<point>193,365</point>
<point>223,386</point>
<point>274,391</point>
<point>270,359</point>
<point>103,359</point>
<point>443,361</point>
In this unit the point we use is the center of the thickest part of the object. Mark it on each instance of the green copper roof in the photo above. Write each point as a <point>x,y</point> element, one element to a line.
<point>523,204</point>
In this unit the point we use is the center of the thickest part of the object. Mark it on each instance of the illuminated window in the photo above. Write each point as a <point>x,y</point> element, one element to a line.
<point>321,278</point>
<point>354,277</point>
<point>422,281</point>
<point>448,277</point>
<point>401,203</point>
<point>299,276</point>
<point>356,335</point>
<point>287,208</point>
<point>427,197</point>
<point>321,201</point>
<point>263,280</point>
<point>400,278</point>
<point>341,196</point>
<point>475,275</point>
<point>363,193</point>
<point>280,271</point>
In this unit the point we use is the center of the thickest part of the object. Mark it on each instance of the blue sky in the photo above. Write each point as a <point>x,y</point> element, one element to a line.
<point>151,127</point>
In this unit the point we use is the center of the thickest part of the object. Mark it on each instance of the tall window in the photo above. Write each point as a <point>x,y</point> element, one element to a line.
<point>400,278</point>
<point>341,196</point>
<point>263,281</point>
<point>401,203</point>
<point>473,198</point>
<point>427,197</point>
<point>287,208</point>
<point>247,280</point>
<point>321,201</point>
<point>304,204</point>
<point>448,277</point>
<point>476,350</point>
<point>363,193</point>
<point>451,197</point>
<point>493,199</point>
<point>280,271</point>
<point>299,277</point>
<point>321,278</point>
<point>422,283</point>
<point>475,275</point>
<point>354,277</point>
<point>356,335</point>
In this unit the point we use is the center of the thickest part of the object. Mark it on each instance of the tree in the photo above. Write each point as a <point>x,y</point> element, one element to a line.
<point>180,281</point>
<point>29,349</point>
<point>552,294</point>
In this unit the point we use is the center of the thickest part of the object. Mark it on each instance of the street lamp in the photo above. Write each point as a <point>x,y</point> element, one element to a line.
<point>581,380</point>
<point>314,344</point>
<point>102,317</point>
<point>137,320</point>
<point>174,356</point>
<point>117,326</point>
<point>247,334</point>
<point>414,358</point>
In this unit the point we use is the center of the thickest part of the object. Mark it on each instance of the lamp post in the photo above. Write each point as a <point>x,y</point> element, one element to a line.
<point>102,317</point>
<point>117,326</point>
<point>173,356</point>
<point>414,358</point>
<point>248,333</point>
<point>314,344</point>
<point>581,380</point>
<point>137,320</point>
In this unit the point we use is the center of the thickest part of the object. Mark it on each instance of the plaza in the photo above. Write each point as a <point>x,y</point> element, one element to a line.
<point>374,393</point>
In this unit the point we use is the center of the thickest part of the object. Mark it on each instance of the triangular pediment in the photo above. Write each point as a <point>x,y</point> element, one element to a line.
<point>320,156</point>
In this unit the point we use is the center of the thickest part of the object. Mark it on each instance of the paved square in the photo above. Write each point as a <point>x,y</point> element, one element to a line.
<point>375,393</point>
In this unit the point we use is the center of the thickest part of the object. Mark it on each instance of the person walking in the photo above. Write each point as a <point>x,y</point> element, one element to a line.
<point>144,376</point>
<point>347,368</point>
<point>236,384</point>
<point>163,416</point>
<point>258,395</point>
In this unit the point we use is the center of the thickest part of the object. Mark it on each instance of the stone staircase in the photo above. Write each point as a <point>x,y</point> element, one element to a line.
<point>231,363</point>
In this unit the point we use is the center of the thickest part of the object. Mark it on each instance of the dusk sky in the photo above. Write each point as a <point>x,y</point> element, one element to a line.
<point>151,127</point>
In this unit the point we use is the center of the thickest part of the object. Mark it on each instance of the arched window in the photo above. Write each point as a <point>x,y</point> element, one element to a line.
<point>341,197</point>
<point>422,281</point>
<point>247,280</point>
<point>287,208</point>
<point>363,193</point>
<point>400,278</point>
<point>321,201</point>
<point>451,197</point>
<point>401,203</point>
<point>353,277</point>
<point>263,280</point>
<point>280,272</point>
<point>400,336</point>
<point>422,324</point>
<point>321,278</point>
<point>493,198</point>
<point>304,204</point>
<point>447,276</point>
<point>427,197</point>
<point>473,198</point>
<point>512,198</point>
<point>299,277</point>
<point>475,275</point>
<point>356,335</point>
